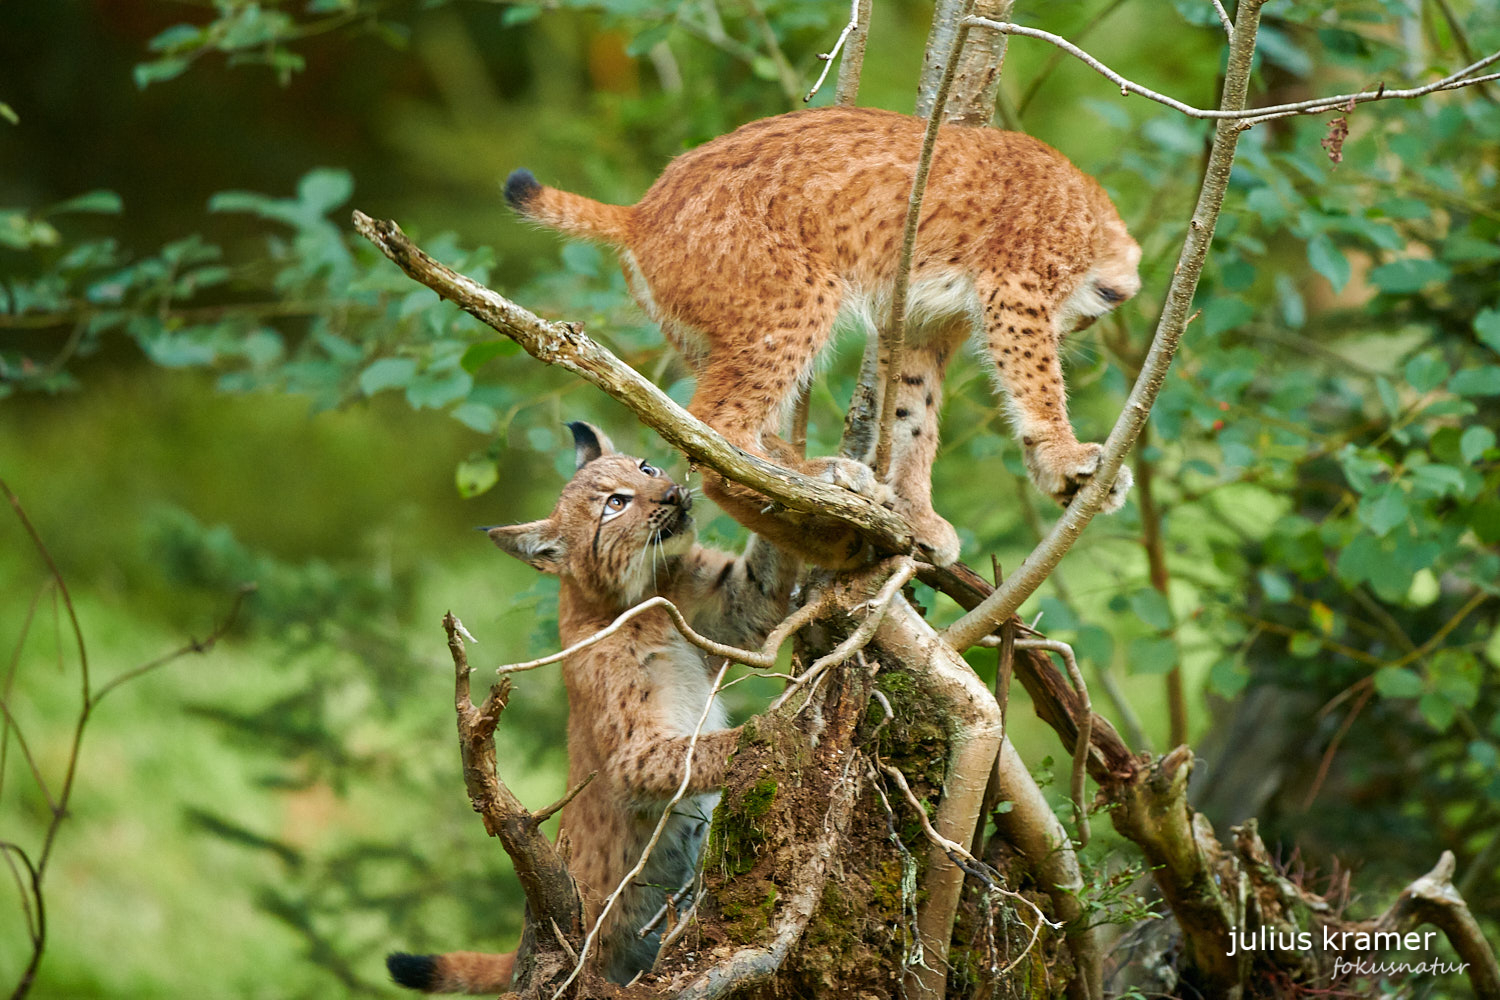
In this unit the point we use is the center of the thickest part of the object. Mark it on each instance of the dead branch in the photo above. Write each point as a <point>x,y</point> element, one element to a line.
<point>1433,899</point>
<point>565,345</point>
<point>550,892</point>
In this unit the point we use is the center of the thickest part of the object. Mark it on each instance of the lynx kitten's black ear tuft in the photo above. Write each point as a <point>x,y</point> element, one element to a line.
<point>415,972</point>
<point>589,443</point>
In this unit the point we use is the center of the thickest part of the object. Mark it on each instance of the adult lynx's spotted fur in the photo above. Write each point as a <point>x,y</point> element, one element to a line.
<point>621,532</point>
<point>746,248</point>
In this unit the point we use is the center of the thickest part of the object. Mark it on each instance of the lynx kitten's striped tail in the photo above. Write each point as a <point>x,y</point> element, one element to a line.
<point>454,972</point>
<point>571,213</point>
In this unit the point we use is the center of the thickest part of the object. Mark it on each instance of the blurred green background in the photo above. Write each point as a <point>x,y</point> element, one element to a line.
<point>207,379</point>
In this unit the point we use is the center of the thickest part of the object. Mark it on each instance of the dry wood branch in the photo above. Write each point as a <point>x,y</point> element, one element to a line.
<point>550,893</point>
<point>565,345</point>
<point>857,21</point>
<point>1179,297</point>
<point>1248,116</point>
<point>1432,899</point>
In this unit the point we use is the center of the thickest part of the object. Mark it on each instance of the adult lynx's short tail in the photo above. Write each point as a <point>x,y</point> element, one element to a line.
<point>570,213</point>
<point>453,972</point>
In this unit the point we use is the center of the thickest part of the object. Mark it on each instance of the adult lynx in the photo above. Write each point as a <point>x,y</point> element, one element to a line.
<point>622,532</point>
<point>746,248</point>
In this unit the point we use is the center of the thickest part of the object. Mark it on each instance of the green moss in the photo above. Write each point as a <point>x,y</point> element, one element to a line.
<point>747,915</point>
<point>736,834</point>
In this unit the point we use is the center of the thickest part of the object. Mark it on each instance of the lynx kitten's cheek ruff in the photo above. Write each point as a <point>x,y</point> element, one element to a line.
<point>746,248</point>
<point>621,532</point>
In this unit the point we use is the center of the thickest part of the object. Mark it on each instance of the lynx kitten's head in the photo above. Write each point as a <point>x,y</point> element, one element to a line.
<point>618,523</point>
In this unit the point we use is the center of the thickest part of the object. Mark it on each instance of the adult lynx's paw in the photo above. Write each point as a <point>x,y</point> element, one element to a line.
<point>1062,469</point>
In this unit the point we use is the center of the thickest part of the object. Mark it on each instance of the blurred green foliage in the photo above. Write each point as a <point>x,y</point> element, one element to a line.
<point>206,378</point>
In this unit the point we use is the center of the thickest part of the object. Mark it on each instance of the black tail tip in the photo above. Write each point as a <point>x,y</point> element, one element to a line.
<point>520,187</point>
<point>415,972</point>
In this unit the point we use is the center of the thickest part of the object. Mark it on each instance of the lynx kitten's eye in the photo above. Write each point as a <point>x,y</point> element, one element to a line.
<point>617,502</point>
<point>650,469</point>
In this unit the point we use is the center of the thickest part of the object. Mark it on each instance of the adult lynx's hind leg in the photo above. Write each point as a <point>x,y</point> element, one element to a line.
<point>914,436</point>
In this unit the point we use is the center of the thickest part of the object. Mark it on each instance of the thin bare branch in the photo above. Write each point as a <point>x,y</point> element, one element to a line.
<point>763,658</point>
<point>893,337</point>
<point>852,66</point>
<point>1248,116</point>
<point>543,815</point>
<point>1224,20</point>
<point>855,23</point>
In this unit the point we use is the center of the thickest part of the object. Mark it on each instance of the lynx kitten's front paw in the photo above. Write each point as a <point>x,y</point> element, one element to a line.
<point>1061,470</point>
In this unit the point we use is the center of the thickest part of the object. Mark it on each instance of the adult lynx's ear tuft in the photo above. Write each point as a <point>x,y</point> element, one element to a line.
<point>589,443</point>
<point>539,544</point>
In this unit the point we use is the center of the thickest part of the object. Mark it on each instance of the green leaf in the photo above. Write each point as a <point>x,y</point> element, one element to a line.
<point>475,475</point>
<point>1398,682</point>
<point>1228,677</point>
<point>100,202</point>
<point>433,390</point>
<point>160,70</point>
<point>1151,655</point>
<point>520,13</point>
<point>1383,510</point>
<point>1403,277</point>
<point>387,373</point>
<point>1388,397</point>
<point>1057,616</point>
<point>583,258</point>
<point>1436,480</point>
<point>1361,560</point>
<point>1304,645</point>
<point>1329,261</point>
<point>176,38</point>
<point>325,189</point>
<point>1475,442</point>
<point>1225,313</point>
<point>1481,381</point>
<point>1151,607</point>
<point>1426,372</point>
<point>480,417</point>
<point>476,356</point>
<point>1095,644</point>
<point>1275,586</point>
<point>1437,710</point>
<point>1487,327</point>
<point>9,113</point>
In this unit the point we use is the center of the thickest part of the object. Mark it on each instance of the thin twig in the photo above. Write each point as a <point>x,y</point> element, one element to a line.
<point>852,65</point>
<point>860,637</point>
<point>831,54</point>
<point>1085,730</point>
<point>543,815</point>
<point>661,825</point>
<point>1224,20</point>
<point>1250,116</point>
<point>974,866</point>
<point>764,658</point>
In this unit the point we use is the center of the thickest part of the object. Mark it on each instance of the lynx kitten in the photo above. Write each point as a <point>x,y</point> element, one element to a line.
<point>622,532</point>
